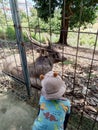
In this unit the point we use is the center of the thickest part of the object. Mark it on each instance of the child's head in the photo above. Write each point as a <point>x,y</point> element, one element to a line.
<point>53,87</point>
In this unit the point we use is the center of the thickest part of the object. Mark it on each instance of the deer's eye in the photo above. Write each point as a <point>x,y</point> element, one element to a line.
<point>54,55</point>
<point>46,56</point>
<point>57,55</point>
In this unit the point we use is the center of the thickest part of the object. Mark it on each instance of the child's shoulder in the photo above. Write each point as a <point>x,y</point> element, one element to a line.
<point>42,98</point>
<point>65,101</point>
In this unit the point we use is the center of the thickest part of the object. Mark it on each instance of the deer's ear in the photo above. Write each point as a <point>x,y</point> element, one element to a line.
<point>42,51</point>
<point>41,77</point>
<point>45,53</point>
<point>38,50</point>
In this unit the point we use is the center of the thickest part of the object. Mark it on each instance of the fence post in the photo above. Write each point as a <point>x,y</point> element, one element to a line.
<point>20,43</point>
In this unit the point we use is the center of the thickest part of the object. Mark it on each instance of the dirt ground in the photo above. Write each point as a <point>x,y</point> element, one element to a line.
<point>15,114</point>
<point>76,75</point>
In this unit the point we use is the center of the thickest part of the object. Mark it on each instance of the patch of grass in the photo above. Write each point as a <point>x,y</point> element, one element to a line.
<point>91,75</point>
<point>85,40</point>
<point>1,34</point>
<point>67,62</point>
<point>10,33</point>
<point>42,37</point>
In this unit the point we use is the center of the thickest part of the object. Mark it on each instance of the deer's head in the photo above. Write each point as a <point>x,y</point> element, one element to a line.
<point>51,52</point>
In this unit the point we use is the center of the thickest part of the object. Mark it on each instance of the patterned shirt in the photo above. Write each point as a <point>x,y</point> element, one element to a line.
<point>52,114</point>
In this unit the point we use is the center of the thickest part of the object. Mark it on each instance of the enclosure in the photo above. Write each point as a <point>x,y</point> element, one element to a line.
<point>63,34</point>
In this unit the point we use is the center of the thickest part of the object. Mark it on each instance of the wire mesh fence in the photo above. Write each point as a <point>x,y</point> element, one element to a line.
<point>25,38</point>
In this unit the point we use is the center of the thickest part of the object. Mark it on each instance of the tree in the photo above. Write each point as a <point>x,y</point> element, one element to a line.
<point>23,16</point>
<point>74,13</point>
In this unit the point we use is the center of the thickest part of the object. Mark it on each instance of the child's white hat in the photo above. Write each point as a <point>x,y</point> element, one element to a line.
<point>53,87</point>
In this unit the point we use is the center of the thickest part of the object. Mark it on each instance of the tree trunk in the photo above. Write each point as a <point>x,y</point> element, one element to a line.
<point>64,26</point>
<point>64,33</point>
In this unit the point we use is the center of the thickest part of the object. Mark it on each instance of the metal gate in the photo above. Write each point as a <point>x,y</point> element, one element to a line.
<point>80,72</point>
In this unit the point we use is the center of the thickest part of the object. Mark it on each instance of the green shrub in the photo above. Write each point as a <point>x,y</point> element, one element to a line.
<point>10,33</point>
<point>2,35</point>
<point>67,62</point>
<point>82,41</point>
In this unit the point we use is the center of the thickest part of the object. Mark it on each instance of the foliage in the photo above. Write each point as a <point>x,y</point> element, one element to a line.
<point>55,22</point>
<point>1,34</point>
<point>85,40</point>
<point>35,21</point>
<point>67,62</point>
<point>43,10</point>
<point>10,32</point>
<point>83,11</point>
<point>23,16</point>
<point>2,19</point>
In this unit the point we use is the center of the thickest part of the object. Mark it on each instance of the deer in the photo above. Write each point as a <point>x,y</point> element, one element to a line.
<point>48,55</point>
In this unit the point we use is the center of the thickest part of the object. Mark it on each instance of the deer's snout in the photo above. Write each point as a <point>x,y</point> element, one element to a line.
<point>59,58</point>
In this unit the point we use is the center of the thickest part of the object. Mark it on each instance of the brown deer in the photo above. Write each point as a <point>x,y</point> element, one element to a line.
<point>49,55</point>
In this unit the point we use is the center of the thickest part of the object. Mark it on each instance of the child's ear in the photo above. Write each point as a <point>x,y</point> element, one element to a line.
<point>41,77</point>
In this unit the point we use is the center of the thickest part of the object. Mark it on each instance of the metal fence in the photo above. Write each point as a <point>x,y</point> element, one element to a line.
<point>80,72</point>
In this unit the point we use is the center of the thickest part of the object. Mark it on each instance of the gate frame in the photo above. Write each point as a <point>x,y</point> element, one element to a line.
<point>20,43</point>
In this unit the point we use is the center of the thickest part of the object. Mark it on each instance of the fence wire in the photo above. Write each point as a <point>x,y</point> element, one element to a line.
<point>77,72</point>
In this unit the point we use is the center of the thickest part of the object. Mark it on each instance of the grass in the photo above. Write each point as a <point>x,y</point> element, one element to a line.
<point>85,40</point>
<point>67,62</point>
<point>91,75</point>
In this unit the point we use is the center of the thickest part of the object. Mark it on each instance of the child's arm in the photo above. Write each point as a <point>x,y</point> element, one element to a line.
<point>66,120</point>
<point>38,110</point>
<point>67,115</point>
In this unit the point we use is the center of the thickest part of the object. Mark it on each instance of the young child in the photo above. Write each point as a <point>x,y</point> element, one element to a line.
<point>54,108</point>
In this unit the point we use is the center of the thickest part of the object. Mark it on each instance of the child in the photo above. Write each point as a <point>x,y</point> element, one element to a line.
<point>54,108</point>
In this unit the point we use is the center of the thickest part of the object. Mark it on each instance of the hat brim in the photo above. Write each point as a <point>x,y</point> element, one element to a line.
<point>56,95</point>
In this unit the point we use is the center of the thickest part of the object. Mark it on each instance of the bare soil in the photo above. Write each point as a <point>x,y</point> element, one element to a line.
<point>80,73</point>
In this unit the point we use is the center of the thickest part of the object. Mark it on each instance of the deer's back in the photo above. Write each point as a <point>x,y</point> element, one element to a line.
<point>42,65</point>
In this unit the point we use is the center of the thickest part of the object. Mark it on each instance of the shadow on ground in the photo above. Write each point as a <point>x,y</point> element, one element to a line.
<point>15,114</point>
